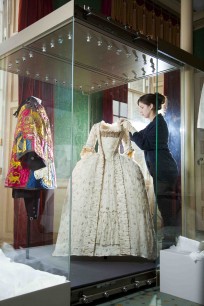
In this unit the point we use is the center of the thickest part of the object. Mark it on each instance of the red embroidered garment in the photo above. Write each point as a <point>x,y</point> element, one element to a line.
<point>32,163</point>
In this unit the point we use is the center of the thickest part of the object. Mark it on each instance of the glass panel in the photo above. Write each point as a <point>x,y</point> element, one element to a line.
<point>161,142</point>
<point>36,158</point>
<point>182,231</point>
<point>109,184</point>
<point>167,158</point>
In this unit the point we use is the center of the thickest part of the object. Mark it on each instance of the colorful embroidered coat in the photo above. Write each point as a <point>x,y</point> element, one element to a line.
<point>32,162</point>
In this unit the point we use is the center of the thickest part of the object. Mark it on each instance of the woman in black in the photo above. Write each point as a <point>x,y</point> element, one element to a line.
<point>153,140</point>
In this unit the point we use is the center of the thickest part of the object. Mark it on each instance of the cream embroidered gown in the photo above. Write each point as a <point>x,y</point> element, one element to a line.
<point>110,211</point>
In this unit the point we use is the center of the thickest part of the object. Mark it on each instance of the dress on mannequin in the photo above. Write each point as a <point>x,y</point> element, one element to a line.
<point>110,209</point>
<point>31,166</point>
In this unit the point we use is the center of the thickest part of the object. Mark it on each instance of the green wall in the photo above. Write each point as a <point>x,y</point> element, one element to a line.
<point>66,123</point>
<point>84,116</point>
<point>96,108</point>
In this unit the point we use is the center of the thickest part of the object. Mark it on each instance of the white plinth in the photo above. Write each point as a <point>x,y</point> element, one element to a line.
<point>181,276</point>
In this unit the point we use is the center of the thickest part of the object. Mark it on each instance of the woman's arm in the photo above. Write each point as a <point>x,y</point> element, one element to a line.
<point>146,138</point>
<point>154,136</point>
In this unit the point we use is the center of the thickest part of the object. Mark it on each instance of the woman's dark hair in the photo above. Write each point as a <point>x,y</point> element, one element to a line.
<point>156,99</point>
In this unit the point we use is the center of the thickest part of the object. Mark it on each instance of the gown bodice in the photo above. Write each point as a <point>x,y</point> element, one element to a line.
<point>109,137</point>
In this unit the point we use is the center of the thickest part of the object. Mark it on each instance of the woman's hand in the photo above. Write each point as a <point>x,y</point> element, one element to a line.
<point>128,126</point>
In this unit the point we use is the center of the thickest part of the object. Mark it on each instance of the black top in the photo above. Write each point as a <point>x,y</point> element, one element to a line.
<point>154,142</point>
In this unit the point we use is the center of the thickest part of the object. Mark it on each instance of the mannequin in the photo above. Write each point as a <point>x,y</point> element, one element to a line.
<point>31,167</point>
<point>110,213</point>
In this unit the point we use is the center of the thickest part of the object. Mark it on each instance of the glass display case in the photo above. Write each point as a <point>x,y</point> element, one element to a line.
<point>78,199</point>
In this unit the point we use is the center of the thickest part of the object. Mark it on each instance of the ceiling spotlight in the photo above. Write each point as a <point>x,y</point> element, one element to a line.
<point>46,78</point>
<point>135,54</point>
<point>17,61</point>
<point>144,58</point>
<point>113,82</point>
<point>9,65</point>
<point>135,74</point>
<point>151,61</point>
<point>52,44</point>
<point>17,70</point>
<point>143,71</point>
<point>87,10</point>
<point>23,58</point>
<point>60,40</point>
<point>55,80</point>
<point>88,38</point>
<point>43,48</point>
<point>37,75</point>
<point>128,55</point>
<point>92,87</point>
<point>99,43</point>
<point>109,47</point>
<point>69,36</point>
<point>118,52</point>
<point>27,72</point>
<point>30,54</point>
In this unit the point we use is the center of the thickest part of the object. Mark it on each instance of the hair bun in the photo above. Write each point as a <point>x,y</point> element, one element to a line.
<point>161,98</point>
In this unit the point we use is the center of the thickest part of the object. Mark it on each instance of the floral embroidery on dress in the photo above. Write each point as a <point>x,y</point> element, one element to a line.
<point>109,212</point>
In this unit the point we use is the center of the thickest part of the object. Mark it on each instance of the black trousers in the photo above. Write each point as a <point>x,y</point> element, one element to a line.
<point>169,205</point>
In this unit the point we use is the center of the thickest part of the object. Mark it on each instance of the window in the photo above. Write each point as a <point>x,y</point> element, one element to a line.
<point>120,110</point>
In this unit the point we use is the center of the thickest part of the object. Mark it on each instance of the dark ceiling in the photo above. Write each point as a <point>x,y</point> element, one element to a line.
<point>198,5</point>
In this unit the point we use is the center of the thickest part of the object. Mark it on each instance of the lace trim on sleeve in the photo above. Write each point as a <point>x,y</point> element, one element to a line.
<point>86,151</point>
<point>128,149</point>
